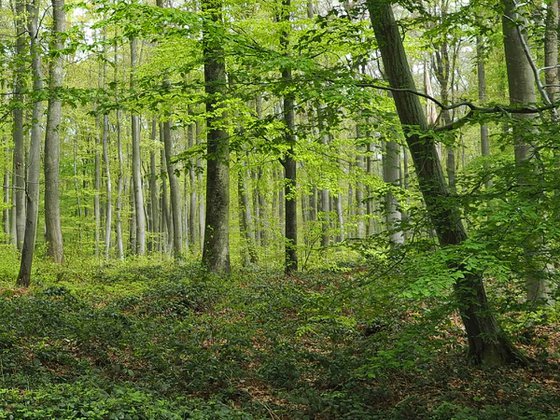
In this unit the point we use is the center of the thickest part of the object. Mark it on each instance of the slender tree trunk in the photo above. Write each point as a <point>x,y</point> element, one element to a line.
<point>18,117</point>
<point>137,167</point>
<point>109,186</point>
<point>487,343</point>
<point>55,248</point>
<point>245,219</point>
<point>481,75</point>
<point>215,255</point>
<point>391,175</point>
<point>32,214</point>
<point>193,228</point>
<point>120,175</point>
<point>340,217</point>
<point>522,92</point>
<point>97,193</point>
<point>174,190</point>
<point>7,201</point>
<point>166,212</point>
<point>551,51</point>
<point>154,193</point>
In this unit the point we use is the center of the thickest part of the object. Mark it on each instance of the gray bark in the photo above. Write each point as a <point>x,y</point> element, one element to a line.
<point>481,76</point>
<point>109,186</point>
<point>55,248</point>
<point>551,51</point>
<point>288,161</point>
<point>174,190</point>
<point>18,117</point>
<point>215,255</point>
<point>34,159</point>
<point>249,252</point>
<point>140,217</point>
<point>391,175</point>
<point>154,194</point>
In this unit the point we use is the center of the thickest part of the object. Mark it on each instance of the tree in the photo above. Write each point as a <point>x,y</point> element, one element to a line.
<point>216,234</point>
<point>288,160</point>
<point>139,215</point>
<point>32,188</point>
<point>52,139</point>
<point>521,82</point>
<point>488,344</point>
<point>18,120</point>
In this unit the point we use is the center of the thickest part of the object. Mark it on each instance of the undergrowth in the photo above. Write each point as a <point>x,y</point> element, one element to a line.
<point>153,339</point>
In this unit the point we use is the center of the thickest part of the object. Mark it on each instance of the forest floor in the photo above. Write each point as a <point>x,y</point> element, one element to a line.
<point>148,339</point>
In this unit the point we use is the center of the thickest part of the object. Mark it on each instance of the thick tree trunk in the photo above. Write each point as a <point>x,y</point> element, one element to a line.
<point>487,343</point>
<point>34,159</point>
<point>18,117</point>
<point>55,248</point>
<point>521,82</point>
<point>288,161</point>
<point>137,168</point>
<point>216,238</point>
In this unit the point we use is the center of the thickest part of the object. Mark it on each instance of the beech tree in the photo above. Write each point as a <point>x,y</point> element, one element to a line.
<point>52,139</point>
<point>216,234</point>
<point>488,344</point>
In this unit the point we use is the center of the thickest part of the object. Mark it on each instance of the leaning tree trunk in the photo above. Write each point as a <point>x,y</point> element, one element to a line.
<point>55,248</point>
<point>32,214</point>
<point>521,82</point>
<point>487,343</point>
<point>215,255</point>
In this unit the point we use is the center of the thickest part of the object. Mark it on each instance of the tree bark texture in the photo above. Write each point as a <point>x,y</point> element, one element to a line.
<point>215,255</point>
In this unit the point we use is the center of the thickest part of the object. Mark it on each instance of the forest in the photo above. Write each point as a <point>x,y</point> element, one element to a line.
<point>284,209</point>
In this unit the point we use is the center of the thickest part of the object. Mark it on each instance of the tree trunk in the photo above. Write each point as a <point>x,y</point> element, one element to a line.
<point>391,175</point>
<point>96,194</point>
<point>109,186</point>
<point>18,117</point>
<point>55,248</point>
<point>249,252</point>
<point>6,195</point>
<point>154,194</point>
<point>288,161</point>
<point>32,214</point>
<point>521,82</point>
<point>216,238</point>
<point>551,51</point>
<point>193,228</point>
<point>174,190</point>
<point>487,343</point>
<point>136,167</point>
<point>481,75</point>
